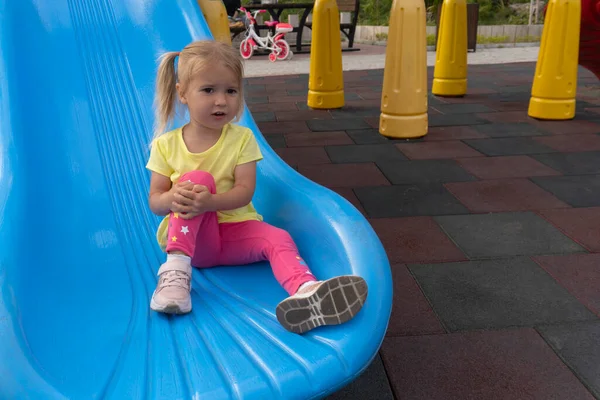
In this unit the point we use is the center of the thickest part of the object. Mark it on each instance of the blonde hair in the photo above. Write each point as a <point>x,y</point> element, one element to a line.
<point>194,58</point>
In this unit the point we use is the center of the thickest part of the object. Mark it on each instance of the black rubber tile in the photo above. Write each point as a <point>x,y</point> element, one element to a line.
<point>257,99</point>
<point>455,119</point>
<point>266,116</point>
<point>580,110</point>
<point>300,80</point>
<point>586,115</point>
<point>572,163</point>
<point>508,146</point>
<point>434,100</point>
<point>367,136</point>
<point>515,129</point>
<point>524,89</point>
<point>370,78</point>
<point>505,235</point>
<point>355,111</point>
<point>372,384</point>
<point>254,88</point>
<point>364,153</point>
<point>304,92</point>
<point>493,294</point>
<point>321,125</point>
<point>424,171</point>
<point>375,72</point>
<point>463,108</point>
<point>511,97</point>
<point>477,82</point>
<point>408,201</point>
<point>276,141</point>
<point>578,191</point>
<point>352,97</point>
<point>578,345</point>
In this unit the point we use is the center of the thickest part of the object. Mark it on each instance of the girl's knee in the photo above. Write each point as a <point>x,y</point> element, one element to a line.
<point>199,178</point>
<point>278,237</point>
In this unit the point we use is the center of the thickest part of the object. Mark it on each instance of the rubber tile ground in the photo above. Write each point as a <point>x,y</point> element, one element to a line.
<point>491,222</point>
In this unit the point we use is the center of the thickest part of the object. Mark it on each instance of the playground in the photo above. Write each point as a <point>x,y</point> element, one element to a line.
<point>490,222</point>
<point>463,188</point>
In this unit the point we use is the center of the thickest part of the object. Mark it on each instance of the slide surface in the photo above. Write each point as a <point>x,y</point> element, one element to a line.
<point>78,256</point>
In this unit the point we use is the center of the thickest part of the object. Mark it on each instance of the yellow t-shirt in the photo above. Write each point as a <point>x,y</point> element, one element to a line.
<point>169,156</point>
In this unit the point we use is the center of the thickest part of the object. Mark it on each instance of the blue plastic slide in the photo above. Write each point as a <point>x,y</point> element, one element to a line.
<point>78,256</point>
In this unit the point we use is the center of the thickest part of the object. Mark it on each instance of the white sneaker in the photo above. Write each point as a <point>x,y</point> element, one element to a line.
<point>172,294</point>
<point>329,302</point>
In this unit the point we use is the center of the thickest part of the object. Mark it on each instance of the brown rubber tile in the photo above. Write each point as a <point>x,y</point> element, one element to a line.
<point>415,240</point>
<point>411,313</point>
<point>505,167</point>
<point>502,195</point>
<point>345,175</point>
<point>437,150</point>
<point>580,224</point>
<point>507,364</point>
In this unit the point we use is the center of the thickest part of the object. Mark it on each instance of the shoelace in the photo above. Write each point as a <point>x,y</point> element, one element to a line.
<point>176,278</point>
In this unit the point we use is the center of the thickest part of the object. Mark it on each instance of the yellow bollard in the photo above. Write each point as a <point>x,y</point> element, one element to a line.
<point>216,17</point>
<point>404,94</point>
<point>450,71</point>
<point>326,81</point>
<point>555,81</point>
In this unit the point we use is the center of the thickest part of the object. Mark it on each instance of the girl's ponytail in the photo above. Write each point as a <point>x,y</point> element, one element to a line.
<point>166,92</point>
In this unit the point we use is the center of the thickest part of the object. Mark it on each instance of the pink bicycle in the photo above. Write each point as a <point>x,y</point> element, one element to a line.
<point>280,49</point>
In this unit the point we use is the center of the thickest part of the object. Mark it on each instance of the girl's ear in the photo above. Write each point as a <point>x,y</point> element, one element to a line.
<point>180,93</point>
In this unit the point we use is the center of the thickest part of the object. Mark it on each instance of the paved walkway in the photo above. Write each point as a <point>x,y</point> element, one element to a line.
<point>373,57</point>
<point>491,223</point>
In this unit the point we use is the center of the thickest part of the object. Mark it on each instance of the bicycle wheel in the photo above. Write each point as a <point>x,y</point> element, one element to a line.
<point>284,49</point>
<point>246,49</point>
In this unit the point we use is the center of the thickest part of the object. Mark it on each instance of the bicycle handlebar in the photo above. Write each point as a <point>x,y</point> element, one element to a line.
<point>242,9</point>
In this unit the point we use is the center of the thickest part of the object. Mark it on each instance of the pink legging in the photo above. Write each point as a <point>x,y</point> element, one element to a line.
<point>210,243</point>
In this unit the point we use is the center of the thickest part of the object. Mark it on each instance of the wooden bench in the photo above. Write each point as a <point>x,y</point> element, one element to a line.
<point>236,30</point>
<point>348,29</point>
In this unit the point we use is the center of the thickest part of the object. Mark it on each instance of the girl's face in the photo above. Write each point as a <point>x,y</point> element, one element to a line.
<point>212,97</point>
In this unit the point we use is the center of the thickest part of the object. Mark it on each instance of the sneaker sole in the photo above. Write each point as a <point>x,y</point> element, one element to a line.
<point>336,301</point>
<point>172,308</point>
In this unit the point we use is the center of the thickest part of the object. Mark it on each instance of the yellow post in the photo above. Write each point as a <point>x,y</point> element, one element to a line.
<point>555,81</point>
<point>404,94</point>
<point>326,81</point>
<point>216,17</point>
<point>450,71</point>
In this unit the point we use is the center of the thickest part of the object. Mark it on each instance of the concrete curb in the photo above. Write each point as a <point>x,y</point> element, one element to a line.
<point>479,46</point>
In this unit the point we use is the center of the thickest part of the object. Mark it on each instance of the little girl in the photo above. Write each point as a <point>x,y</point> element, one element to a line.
<point>203,180</point>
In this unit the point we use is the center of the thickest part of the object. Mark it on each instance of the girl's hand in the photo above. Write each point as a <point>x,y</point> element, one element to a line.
<point>181,186</point>
<point>192,201</point>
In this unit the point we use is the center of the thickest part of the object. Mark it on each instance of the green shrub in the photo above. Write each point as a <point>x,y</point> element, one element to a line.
<point>491,12</point>
<point>377,12</point>
<point>430,40</point>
